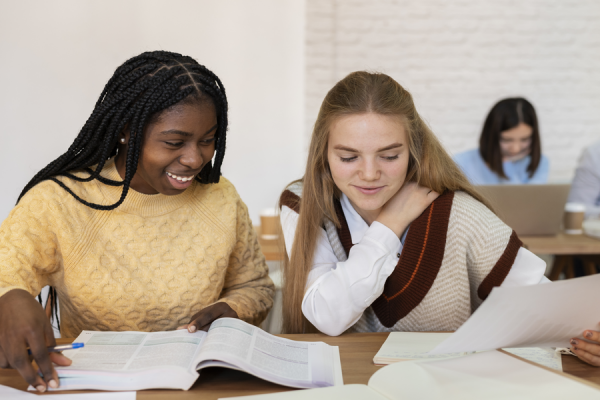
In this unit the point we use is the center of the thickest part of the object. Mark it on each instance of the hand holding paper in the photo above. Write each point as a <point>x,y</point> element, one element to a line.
<point>548,315</point>
<point>589,348</point>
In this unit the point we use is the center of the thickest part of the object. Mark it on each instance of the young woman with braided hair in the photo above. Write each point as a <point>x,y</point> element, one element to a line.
<point>133,227</point>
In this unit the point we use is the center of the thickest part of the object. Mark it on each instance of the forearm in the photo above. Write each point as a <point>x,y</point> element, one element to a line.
<point>252,300</point>
<point>339,294</point>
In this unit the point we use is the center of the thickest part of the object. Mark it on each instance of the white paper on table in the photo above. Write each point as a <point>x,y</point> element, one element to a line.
<point>10,393</point>
<point>529,316</point>
<point>489,375</point>
<point>412,345</point>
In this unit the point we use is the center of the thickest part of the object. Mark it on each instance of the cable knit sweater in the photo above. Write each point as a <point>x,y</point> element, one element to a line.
<point>148,265</point>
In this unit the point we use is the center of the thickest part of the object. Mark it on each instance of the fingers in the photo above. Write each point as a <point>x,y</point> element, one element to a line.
<point>586,351</point>
<point>60,359</point>
<point>592,335</point>
<point>24,324</point>
<point>19,360</point>
<point>44,360</point>
<point>203,319</point>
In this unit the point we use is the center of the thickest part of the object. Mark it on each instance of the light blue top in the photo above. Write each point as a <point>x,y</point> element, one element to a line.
<point>479,173</point>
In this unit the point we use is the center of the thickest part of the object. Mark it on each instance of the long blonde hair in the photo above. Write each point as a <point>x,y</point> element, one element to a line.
<point>429,165</point>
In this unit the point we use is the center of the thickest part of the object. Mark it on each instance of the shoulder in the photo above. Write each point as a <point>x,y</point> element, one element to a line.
<point>469,211</point>
<point>53,206</point>
<point>467,157</point>
<point>290,197</point>
<point>592,152</point>
<point>50,195</point>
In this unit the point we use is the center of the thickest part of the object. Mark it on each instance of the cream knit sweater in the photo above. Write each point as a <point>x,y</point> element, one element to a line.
<point>149,265</point>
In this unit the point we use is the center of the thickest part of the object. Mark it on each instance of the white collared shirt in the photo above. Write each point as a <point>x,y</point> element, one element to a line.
<point>337,293</point>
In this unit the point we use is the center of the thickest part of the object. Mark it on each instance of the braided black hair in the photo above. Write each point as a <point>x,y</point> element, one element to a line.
<point>138,91</point>
<point>134,96</point>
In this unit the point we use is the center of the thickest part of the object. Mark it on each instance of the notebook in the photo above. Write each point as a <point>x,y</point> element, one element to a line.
<point>531,210</point>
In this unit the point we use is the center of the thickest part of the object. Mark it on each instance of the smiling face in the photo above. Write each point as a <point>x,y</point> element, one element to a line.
<point>515,143</point>
<point>175,148</point>
<point>368,158</point>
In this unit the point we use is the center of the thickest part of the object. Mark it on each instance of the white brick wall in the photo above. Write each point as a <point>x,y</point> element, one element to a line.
<point>459,57</point>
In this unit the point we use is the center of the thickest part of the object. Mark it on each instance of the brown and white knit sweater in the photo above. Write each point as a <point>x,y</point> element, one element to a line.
<point>453,255</point>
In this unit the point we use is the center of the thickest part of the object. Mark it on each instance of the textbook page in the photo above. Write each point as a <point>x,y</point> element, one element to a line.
<point>546,315</point>
<point>279,360</point>
<point>150,360</point>
<point>134,351</point>
<point>544,356</point>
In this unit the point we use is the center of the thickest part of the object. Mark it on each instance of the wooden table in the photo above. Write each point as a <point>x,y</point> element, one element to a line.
<point>356,353</point>
<point>565,248</point>
<point>562,244</point>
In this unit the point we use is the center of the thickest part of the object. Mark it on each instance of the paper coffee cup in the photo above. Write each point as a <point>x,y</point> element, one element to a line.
<point>573,218</point>
<point>269,224</point>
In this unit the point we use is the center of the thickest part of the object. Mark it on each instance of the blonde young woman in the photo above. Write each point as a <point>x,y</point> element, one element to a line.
<point>384,233</point>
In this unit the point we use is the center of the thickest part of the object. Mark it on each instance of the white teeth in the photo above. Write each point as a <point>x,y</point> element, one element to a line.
<point>180,178</point>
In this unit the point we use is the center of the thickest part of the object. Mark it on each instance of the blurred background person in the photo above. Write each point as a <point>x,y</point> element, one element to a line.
<point>585,188</point>
<point>509,147</point>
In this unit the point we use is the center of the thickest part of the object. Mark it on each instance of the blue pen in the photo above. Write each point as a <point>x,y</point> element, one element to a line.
<point>62,347</point>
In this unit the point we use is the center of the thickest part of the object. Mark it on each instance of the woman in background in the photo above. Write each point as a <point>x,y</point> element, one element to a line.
<point>585,187</point>
<point>509,147</point>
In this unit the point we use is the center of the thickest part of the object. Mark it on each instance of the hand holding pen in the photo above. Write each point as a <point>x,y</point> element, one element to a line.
<point>24,326</point>
<point>62,347</point>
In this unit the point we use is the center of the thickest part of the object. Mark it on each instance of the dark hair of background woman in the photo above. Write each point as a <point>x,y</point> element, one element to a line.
<point>505,115</point>
<point>134,96</point>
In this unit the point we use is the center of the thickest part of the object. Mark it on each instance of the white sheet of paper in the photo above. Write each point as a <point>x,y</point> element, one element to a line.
<point>529,316</point>
<point>412,345</point>
<point>488,375</point>
<point>416,345</point>
<point>10,393</point>
<point>346,392</point>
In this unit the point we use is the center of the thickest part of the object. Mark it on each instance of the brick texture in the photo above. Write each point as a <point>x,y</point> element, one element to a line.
<point>459,57</point>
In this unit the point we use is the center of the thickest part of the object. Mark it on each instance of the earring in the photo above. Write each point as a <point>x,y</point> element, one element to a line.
<point>123,140</point>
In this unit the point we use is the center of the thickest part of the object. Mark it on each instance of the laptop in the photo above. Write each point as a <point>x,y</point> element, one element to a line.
<point>531,210</point>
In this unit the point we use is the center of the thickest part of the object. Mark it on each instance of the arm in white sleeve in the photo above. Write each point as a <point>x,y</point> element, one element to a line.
<point>585,187</point>
<point>337,293</point>
<point>528,269</point>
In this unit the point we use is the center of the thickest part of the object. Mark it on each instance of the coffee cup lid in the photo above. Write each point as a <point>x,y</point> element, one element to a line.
<point>575,207</point>
<point>268,212</point>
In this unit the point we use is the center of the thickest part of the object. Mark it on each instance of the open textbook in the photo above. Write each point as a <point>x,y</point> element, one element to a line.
<point>487,375</point>
<point>405,346</point>
<point>140,360</point>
